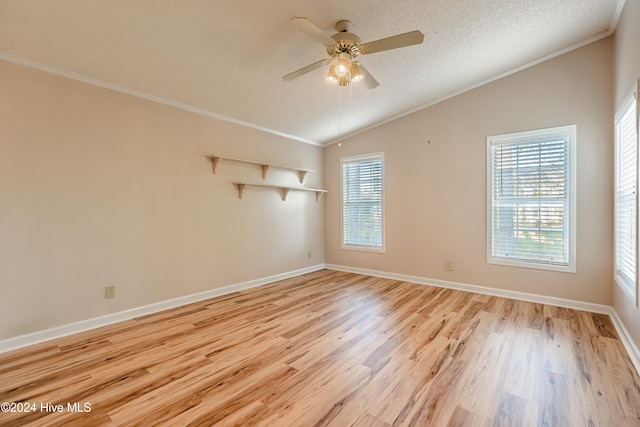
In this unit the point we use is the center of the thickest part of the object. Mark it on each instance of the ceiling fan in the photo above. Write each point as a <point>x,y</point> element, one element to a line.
<point>343,47</point>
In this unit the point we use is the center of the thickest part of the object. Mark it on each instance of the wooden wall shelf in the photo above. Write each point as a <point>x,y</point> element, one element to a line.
<point>284,190</point>
<point>264,166</point>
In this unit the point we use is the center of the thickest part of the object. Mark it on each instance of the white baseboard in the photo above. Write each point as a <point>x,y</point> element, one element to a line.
<point>72,328</point>
<point>523,296</point>
<point>627,341</point>
<point>625,337</point>
<point>96,322</point>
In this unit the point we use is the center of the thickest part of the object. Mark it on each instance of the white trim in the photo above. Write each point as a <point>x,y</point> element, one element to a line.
<point>92,81</point>
<point>571,134</point>
<point>613,25</point>
<point>504,293</point>
<point>535,62</point>
<point>73,328</point>
<point>625,338</point>
<point>97,322</point>
<point>623,333</point>
<point>356,159</point>
<point>627,285</point>
<point>143,95</point>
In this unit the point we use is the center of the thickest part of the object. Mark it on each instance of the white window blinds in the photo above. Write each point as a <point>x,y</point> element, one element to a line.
<point>362,187</point>
<point>530,198</point>
<point>626,198</point>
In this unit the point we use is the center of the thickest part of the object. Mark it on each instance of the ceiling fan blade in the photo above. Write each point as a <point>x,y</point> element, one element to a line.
<point>393,42</point>
<point>368,79</point>
<point>313,31</point>
<point>304,70</point>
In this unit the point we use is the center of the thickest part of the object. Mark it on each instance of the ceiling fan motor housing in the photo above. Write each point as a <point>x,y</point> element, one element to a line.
<point>345,42</point>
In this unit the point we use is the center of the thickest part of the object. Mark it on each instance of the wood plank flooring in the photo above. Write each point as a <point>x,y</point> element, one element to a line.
<point>332,349</point>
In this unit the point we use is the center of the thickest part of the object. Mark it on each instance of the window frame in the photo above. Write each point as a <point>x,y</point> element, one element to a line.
<point>532,135</point>
<point>357,159</point>
<point>629,287</point>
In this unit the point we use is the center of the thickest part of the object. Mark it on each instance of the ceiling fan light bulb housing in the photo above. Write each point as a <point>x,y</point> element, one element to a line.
<point>332,77</point>
<point>343,80</point>
<point>341,70</point>
<point>342,67</point>
<point>354,72</point>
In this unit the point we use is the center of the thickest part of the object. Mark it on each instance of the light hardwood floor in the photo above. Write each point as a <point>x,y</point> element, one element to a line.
<point>338,349</point>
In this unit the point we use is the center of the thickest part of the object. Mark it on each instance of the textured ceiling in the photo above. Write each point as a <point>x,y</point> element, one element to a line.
<point>226,58</point>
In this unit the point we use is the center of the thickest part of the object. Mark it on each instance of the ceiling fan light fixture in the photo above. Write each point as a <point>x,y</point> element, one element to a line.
<point>332,76</point>
<point>343,47</point>
<point>342,66</point>
<point>354,72</point>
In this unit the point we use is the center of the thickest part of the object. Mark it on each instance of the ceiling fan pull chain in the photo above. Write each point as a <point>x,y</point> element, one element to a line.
<point>339,116</point>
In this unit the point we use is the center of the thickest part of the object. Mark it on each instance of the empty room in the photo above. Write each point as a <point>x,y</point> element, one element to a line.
<point>415,213</point>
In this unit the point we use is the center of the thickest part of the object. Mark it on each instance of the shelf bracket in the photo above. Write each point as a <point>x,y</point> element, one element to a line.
<point>318,194</point>
<point>240,187</point>
<point>214,162</point>
<point>265,169</point>
<point>301,175</point>
<point>284,191</point>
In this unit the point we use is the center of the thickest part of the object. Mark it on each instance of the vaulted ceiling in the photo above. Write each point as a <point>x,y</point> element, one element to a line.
<point>227,58</point>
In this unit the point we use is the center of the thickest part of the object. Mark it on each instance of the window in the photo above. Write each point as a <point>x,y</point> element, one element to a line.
<point>362,203</point>
<point>531,199</point>
<point>626,197</point>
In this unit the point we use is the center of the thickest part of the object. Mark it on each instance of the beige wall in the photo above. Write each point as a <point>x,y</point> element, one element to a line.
<point>435,193</point>
<point>627,71</point>
<point>98,187</point>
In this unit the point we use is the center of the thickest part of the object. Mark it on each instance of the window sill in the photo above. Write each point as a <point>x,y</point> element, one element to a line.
<point>571,268</point>
<point>363,248</point>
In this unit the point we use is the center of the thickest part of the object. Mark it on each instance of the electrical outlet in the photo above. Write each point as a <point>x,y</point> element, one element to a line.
<point>110,291</point>
<point>448,265</point>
